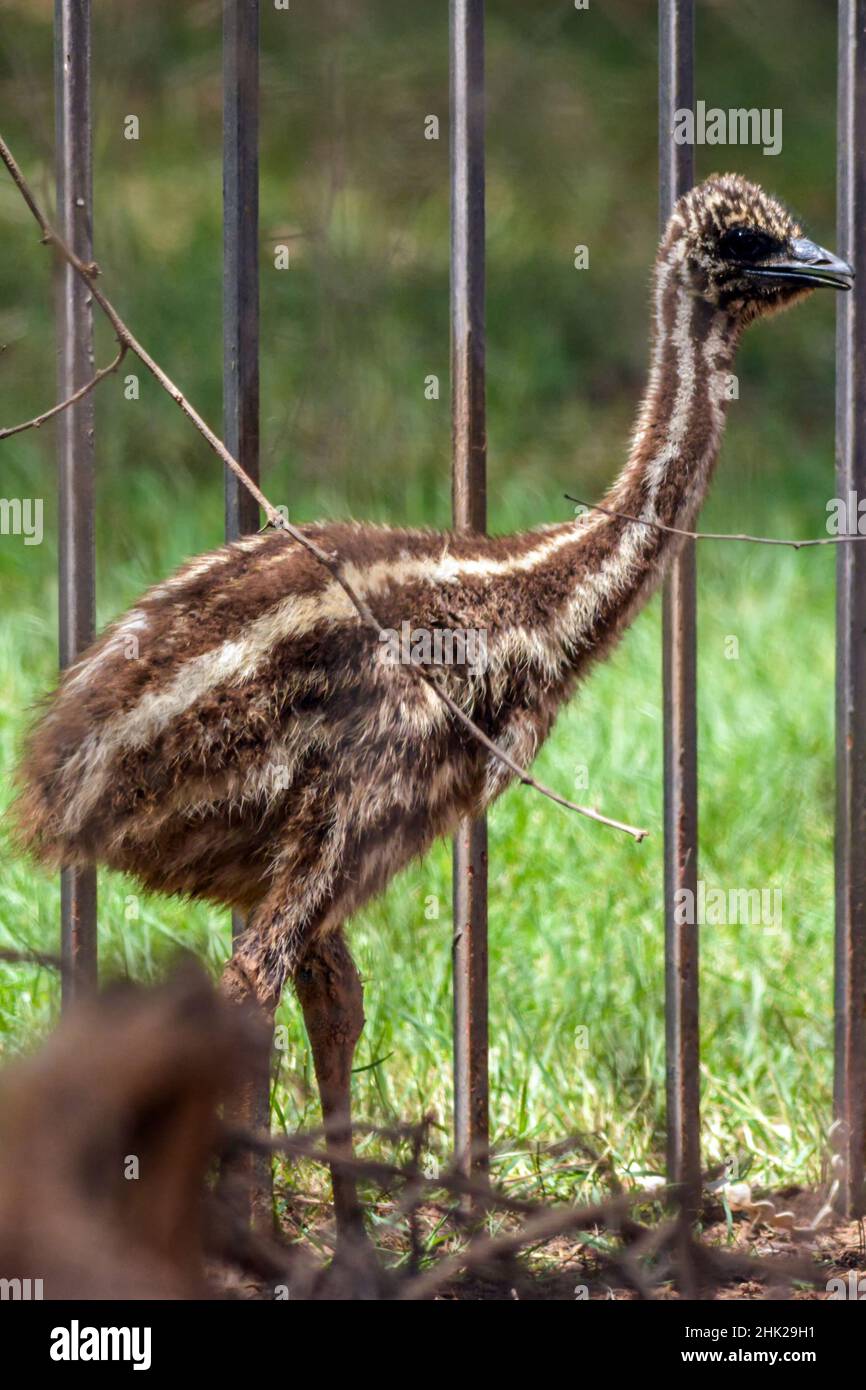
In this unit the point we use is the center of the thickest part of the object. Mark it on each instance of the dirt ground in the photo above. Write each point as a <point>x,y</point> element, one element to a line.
<point>565,1268</point>
<point>792,1259</point>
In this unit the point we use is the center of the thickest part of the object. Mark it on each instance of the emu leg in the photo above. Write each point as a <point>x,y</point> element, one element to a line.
<point>332,998</point>
<point>247,1181</point>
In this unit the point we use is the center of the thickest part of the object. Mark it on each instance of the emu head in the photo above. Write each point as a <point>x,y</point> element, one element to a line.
<point>743,252</point>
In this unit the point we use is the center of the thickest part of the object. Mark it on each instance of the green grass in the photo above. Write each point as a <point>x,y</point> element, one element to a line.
<point>575,910</point>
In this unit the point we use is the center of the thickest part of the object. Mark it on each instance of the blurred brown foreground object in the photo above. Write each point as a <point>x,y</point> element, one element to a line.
<point>107,1135</point>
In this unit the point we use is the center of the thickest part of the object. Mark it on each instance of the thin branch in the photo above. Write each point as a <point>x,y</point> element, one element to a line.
<point>82,391</point>
<point>715,535</point>
<point>331,562</point>
<point>539,1228</point>
<point>302,1145</point>
<point>89,273</point>
<point>11,957</point>
<point>520,772</point>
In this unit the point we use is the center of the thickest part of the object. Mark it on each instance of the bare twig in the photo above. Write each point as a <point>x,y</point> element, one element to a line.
<point>331,562</point>
<point>520,772</point>
<point>545,1224</point>
<point>303,1146</point>
<point>10,957</point>
<point>82,391</point>
<point>715,535</point>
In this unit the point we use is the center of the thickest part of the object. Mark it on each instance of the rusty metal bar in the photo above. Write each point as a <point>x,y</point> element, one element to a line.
<point>850,982</point>
<point>682,1028</point>
<point>249,1182</point>
<point>241,257</point>
<point>469,463</point>
<point>75,452</point>
<point>241,269</point>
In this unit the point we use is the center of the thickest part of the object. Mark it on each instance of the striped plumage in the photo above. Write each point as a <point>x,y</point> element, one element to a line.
<point>239,736</point>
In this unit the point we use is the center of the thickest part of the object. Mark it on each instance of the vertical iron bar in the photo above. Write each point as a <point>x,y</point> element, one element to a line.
<point>252,1176</point>
<point>850,981</point>
<point>676,176</point>
<point>241,257</point>
<point>75,453</point>
<point>469,461</point>
<point>241,268</point>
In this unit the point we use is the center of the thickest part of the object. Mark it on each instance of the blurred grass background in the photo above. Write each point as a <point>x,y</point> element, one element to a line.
<point>349,334</point>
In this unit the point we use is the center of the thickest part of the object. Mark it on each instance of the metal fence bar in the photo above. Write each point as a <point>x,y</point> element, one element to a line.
<point>75,453</point>
<point>241,267</point>
<point>241,257</point>
<point>241,414</point>
<point>676,175</point>
<point>850,983</point>
<point>469,462</point>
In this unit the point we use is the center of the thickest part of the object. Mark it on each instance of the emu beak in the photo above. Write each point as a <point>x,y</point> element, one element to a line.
<point>808,264</point>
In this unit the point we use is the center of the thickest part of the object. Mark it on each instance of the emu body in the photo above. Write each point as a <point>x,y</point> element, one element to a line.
<point>239,736</point>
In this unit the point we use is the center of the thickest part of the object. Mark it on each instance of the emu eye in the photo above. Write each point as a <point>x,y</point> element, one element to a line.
<point>745,244</point>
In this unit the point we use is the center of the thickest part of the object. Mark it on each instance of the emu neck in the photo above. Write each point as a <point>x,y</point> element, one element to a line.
<point>682,416</point>
<point>613,565</point>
